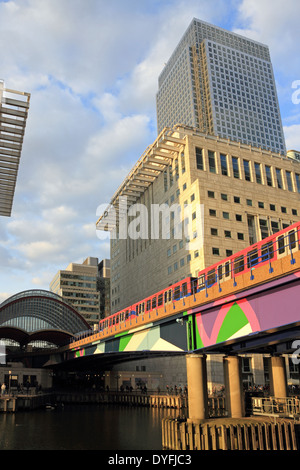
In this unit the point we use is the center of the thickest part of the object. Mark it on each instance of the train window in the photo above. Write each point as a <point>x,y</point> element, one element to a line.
<point>220,272</point>
<point>238,264</point>
<point>160,300</point>
<point>177,293</point>
<point>154,302</point>
<point>136,309</point>
<point>201,282</point>
<point>184,288</point>
<point>211,277</point>
<point>280,243</point>
<point>252,258</point>
<point>166,297</point>
<point>227,269</point>
<point>267,251</point>
<point>170,295</point>
<point>292,240</point>
<point>117,319</point>
<point>148,305</point>
<point>126,314</point>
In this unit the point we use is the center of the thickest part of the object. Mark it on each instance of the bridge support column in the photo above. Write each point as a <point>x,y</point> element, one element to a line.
<point>233,386</point>
<point>197,387</point>
<point>278,378</point>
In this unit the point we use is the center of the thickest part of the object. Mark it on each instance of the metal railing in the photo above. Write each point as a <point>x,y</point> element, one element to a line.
<point>282,407</point>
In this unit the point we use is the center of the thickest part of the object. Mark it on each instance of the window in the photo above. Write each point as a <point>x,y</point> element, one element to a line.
<point>257,173</point>
<point>227,233</point>
<point>298,181</point>
<point>211,161</point>
<point>272,207</point>
<point>215,251</point>
<point>225,215</point>
<point>223,160</point>
<point>224,197</point>
<point>249,202</point>
<point>236,199</point>
<point>269,175</point>
<point>247,170</point>
<point>261,204</point>
<point>212,212</point>
<point>289,180</point>
<point>199,159</point>
<point>211,194</point>
<point>238,217</point>
<point>235,166</point>
<point>263,224</point>
<point>279,178</point>
<point>240,236</point>
<point>238,264</point>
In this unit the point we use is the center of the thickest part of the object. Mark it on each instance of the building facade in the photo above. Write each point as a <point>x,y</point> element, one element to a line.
<point>77,284</point>
<point>223,84</point>
<point>228,195</point>
<point>104,287</point>
<point>14,108</point>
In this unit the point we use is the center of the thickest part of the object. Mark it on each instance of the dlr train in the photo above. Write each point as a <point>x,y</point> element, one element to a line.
<point>276,246</point>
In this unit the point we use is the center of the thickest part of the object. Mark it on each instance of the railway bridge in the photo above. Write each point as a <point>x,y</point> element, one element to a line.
<point>255,310</point>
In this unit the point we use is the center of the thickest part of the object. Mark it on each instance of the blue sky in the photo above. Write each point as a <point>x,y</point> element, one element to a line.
<point>91,67</point>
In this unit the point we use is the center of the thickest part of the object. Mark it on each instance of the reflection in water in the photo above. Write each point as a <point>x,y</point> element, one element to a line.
<point>84,427</point>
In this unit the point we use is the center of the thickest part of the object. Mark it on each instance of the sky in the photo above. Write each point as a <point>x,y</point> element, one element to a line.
<point>92,68</point>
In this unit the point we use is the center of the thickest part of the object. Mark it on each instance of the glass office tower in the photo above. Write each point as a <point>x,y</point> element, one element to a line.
<point>222,84</point>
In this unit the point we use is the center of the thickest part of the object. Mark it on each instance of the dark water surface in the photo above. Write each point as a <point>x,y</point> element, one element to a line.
<point>84,427</point>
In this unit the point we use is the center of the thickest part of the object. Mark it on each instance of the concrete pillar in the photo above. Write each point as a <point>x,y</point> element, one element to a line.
<point>197,387</point>
<point>233,387</point>
<point>278,378</point>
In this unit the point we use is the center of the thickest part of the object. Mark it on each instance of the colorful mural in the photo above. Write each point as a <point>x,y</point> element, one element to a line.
<point>265,307</point>
<point>238,316</point>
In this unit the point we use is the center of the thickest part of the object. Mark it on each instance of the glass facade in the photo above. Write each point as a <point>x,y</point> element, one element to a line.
<point>35,310</point>
<point>222,84</point>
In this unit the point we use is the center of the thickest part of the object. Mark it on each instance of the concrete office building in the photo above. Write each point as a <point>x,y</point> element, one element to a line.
<point>104,287</point>
<point>77,285</point>
<point>230,195</point>
<point>14,107</point>
<point>223,84</point>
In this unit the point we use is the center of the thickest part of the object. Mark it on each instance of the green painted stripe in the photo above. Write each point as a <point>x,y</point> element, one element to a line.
<point>234,321</point>
<point>124,340</point>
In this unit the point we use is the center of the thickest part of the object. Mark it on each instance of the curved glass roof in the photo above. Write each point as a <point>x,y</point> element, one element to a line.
<point>35,310</point>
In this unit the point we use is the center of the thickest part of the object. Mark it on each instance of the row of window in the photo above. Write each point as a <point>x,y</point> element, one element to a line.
<point>249,171</point>
<point>249,202</point>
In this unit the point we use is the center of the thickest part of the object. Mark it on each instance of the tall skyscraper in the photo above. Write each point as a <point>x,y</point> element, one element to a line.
<point>223,84</point>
